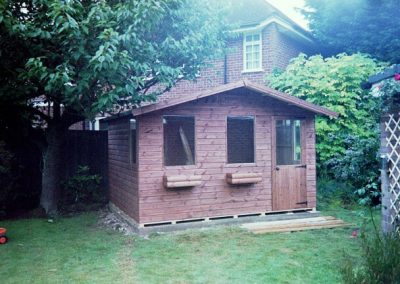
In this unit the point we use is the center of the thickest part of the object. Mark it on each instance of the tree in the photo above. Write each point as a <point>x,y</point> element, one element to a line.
<point>367,26</point>
<point>82,57</point>
<point>346,146</point>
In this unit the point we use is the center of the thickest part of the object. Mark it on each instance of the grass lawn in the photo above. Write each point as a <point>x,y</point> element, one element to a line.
<point>78,250</point>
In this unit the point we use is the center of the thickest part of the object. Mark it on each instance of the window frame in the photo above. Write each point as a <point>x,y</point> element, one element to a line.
<point>252,43</point>
<point>254,142</point>
<point>303,153</point>
<point>194,165</point>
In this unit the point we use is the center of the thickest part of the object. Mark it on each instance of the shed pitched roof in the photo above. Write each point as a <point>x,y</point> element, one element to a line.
<point>269,92</point>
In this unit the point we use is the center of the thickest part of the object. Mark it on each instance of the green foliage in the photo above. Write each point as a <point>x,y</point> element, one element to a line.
<point>82,190</point>
<point>333,193</point>
<point>388,91</point>
<point>359,165</point>
<point>9,177</point>
<point>380,262</point>
<point>346,146</point>
<point>368,26</point>
<point>91,55</point>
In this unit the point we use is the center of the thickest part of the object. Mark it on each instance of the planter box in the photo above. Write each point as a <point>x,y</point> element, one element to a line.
<point>243,178</point>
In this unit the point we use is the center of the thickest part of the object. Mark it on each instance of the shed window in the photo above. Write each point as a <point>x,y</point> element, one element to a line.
<point>252,52</point>
<point>179,140</point>
<point>288,142</point>
<point>240,139</point>
<point>132,141</point>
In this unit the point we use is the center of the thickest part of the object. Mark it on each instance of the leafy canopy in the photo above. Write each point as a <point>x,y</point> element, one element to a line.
<point>368,26</point>
<point>90,55</point>
<point>345,146</point>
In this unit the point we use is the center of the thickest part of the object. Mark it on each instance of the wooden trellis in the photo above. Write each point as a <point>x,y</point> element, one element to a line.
<point>392,128</point>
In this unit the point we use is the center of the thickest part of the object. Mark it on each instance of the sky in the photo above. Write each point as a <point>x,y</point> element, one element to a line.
<point>288,8</point>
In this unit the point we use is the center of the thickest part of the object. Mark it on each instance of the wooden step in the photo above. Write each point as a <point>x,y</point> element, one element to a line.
<point>323,222</point>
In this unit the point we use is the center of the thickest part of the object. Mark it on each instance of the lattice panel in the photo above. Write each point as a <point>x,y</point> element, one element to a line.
<point>392,127</point>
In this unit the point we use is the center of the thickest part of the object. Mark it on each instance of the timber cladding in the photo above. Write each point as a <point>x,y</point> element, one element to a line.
<point>140,190</point>
<point>122,173</point>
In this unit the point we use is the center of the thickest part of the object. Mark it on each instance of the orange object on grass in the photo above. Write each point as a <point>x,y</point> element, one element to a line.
<point>3,238</point>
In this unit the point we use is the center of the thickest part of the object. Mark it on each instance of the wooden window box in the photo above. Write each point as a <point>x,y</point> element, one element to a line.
<point>181,181</point>
<point>245,178</point>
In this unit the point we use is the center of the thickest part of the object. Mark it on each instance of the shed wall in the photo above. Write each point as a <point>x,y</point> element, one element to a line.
<point>214,197</point>
<point>122,174</point>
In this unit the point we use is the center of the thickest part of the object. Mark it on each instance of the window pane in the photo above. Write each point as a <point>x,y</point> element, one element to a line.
<point>248,56</point>
<point>132,140</point>
<point>249,38</point>
<point>240,139</point>
<point>297,143</point>
<point>249,49</point>
<point>288,142</point>
<point>179,140</point>
<point>256,37</point>
<point>249,65</point>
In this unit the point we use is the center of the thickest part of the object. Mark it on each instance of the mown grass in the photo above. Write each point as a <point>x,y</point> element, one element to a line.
<point>78,250</point>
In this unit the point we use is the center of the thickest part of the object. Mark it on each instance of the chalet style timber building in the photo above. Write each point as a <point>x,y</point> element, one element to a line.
<point>225,146</point>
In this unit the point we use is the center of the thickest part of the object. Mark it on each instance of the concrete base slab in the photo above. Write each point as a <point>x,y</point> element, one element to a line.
<point>209,222</point>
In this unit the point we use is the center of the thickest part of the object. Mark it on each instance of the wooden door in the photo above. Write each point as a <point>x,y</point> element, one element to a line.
<point>288,168</point>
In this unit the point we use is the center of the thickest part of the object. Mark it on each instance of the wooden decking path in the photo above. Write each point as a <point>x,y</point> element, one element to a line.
<point>323,222</point>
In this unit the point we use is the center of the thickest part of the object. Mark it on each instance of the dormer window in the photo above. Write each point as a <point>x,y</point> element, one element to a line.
<point>252,48</point>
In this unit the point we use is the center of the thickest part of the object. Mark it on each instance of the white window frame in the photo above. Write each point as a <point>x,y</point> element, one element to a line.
<point>245,44</point>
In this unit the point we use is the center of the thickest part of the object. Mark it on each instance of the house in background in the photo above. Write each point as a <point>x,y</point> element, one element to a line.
<point>267,40</point>
<point>224,146</point>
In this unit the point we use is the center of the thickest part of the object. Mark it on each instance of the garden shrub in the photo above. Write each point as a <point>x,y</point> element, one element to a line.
<point>359,166</point>
<point>82,191</point>
<point>380,261</point>
<point>9,176</point>
<point>19,177</point>
<point>335,193</point>
<point>346,146</point>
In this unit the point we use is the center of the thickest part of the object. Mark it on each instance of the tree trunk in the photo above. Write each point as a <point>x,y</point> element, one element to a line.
<point>52,167</point>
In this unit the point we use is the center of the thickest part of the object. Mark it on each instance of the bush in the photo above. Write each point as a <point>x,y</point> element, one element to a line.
<point>82,191</point>
<point>9,176</point>
<point>332,192</point>
<point>358,165</point>
<point>346,146</point>
<point>380,262</point>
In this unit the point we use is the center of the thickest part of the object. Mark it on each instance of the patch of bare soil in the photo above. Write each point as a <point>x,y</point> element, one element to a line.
<point>112,221</point>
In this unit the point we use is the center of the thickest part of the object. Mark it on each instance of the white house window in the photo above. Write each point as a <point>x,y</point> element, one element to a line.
<point>252,48</point>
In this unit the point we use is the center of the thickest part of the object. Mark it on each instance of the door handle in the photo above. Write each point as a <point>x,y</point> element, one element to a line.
<point>277,168</point>
<point>301,166</point>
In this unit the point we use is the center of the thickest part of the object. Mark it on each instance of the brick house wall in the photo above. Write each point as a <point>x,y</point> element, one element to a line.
<point>277,50</point>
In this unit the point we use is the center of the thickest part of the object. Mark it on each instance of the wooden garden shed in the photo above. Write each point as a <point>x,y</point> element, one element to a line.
<point>237,150</point>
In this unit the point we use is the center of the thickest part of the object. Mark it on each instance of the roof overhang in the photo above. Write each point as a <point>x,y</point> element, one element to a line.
<point>266,91</point>
<point>285,26</point>
<point>385,74</point>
